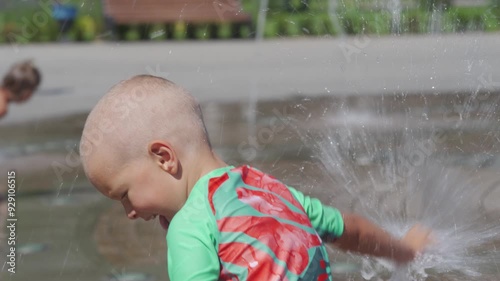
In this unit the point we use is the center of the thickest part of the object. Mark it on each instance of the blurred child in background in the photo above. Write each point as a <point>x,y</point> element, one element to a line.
<point>18,85</point>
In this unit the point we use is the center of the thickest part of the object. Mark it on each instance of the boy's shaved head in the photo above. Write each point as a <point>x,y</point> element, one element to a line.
<point>134,113</point>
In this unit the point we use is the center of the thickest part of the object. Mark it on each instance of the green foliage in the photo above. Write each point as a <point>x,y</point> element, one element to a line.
<point>430,5</point>
<point>157,32</point>
<point>3,28</point>
<point>362,22</point>
<point>284,24</point>
<point>275,5</point>
<point>460,19</point>
<point>491,20</point>
<point>48,32</point>
<point>296,5</point>
<point>133,33</point>
<point>180,30</point>
<point>202,32</point>
<point>272,28</point>
<point>85,28</point>
<point>317,25</point>
<point>290,25</point>
<point>224,31</point>
<point>26,24</point>
<point>317,6</point>
<point>415,21</point>
<point>246,31</point>
<point>495,8</point>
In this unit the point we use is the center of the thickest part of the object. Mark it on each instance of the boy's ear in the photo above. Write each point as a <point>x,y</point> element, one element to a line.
<point>164,156</point>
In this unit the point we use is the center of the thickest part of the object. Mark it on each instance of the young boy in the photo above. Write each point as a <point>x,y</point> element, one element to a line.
<point>145,144</point>
<point>18,85</point>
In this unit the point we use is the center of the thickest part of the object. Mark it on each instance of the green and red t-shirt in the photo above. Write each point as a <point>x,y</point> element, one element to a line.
<point>242,224</point>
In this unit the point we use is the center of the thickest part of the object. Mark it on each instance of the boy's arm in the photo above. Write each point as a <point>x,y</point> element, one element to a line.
<point>327,221</point>
<point>351,232</point>
<point>364,237</point>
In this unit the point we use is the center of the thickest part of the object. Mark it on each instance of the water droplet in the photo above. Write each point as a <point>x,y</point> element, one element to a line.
<point>157,33</point>
<point>31,248</point>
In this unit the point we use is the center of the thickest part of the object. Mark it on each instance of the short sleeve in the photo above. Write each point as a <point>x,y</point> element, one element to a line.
<point>326,220</point>
<point>191,253</point>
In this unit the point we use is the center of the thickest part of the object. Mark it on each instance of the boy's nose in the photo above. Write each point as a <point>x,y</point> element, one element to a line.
<point>132,215</point>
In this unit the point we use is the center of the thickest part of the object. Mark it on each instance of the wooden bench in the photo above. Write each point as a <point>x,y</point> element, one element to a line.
<point>191,12</point>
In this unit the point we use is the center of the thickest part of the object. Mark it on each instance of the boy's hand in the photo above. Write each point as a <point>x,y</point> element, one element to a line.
<point>416,239</point>
<point>364,237</point>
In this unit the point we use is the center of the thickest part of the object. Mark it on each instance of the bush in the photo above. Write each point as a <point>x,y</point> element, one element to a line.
<point>48,32</point>
<point>463,19</point>
<point>85,28</point>
<point>362,22</point>
<point>429,5</point>
<point>274,5</point>
<point>290,25</point>
<point>224,31</point>
<point>8,29</point>
<point>132,33</point>
<point>315,25</point>
<point>202,32</point>
<point>180,30</point>
<point>296,5</point>
<point>272,28</point>
<point>246,31</point>
<point>318,6</point>
<point>302,24</point>
<point>414,21</point>
<point>157,32</point>
<point>491,20</point>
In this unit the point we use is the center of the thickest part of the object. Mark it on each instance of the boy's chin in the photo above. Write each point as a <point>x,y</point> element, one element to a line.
<point>163,222</point>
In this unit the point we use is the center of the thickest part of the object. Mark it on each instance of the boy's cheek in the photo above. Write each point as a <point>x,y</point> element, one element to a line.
<point>143,205</point>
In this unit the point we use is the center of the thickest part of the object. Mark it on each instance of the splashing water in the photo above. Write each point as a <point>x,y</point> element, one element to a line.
<point>464,247</point>
<point>397,172</point>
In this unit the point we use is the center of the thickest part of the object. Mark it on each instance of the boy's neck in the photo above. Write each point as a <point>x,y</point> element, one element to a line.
<point>206,164</point>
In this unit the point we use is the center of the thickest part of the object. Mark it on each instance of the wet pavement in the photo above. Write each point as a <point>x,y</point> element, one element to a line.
<point>319,145</point>
<point>75,76</point>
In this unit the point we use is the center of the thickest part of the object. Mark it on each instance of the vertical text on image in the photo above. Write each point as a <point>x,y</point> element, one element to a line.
<point>11,221</point>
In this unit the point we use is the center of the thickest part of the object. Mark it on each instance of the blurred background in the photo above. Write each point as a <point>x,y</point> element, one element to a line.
<point>388,108</point>
<point>83,21</point>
